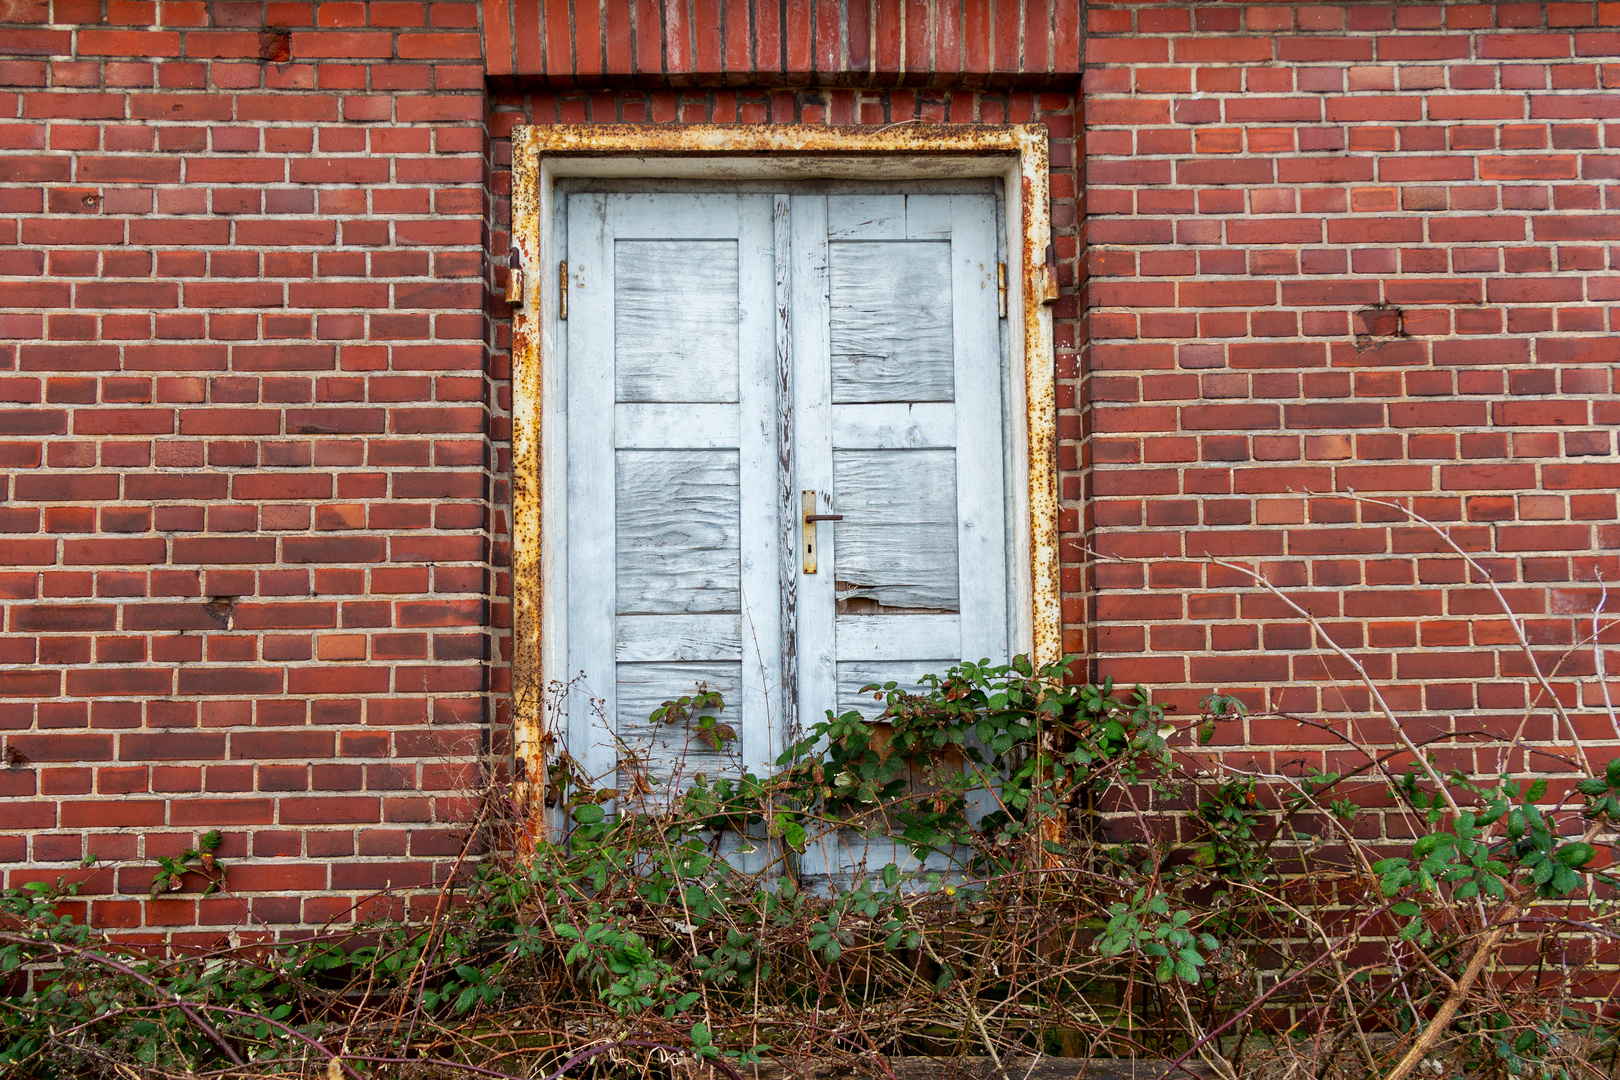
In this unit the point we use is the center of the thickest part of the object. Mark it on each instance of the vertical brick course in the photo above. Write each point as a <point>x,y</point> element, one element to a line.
<point>1004,43</point>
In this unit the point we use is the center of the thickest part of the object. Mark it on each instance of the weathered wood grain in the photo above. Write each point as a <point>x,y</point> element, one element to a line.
<point>898,540</point>
<point>891,323</point>
<point>680,425</point>
<point>894,426</point>
<point>675,320</point>
<point>671,750</point>
<point>590,572</point>
<point>888,217</point>
<point>677,536</point>
<point>787,496</point>
<point>980,449</point>
<point>875,638</point>
<point>760,702</point>
<point>812,390</point>
<point>677,637</point>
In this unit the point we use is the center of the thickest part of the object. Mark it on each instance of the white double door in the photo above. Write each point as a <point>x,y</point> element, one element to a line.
<point>725,355</point>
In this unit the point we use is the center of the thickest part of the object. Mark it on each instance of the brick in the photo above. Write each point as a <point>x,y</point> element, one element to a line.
<point>70,617</point>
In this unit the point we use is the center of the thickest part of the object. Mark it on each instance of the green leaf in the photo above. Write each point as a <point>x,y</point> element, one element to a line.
<point>588,814</point>
<point>1576,854</point>
<point>794,835</point>
<point>701,1036</point>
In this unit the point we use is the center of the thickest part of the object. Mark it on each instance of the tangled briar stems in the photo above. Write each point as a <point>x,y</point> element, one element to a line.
<point>1073,877</point>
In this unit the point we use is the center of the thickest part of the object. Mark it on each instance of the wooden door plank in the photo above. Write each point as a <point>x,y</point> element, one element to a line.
<point>653,638</point>
<point>671,753</point>
<point>675,320</point>
<point>866,217</point>
<point>761,733</point>
<point>673,216</point>
<point>678,531</point>
<point>787,491</point>
<point>897,544</point>
<point>676,426</point>
<point>878,638</point>
<point>895,426</point>
<point>928,217</point>
<point>812,403</point>
<point>980,465</point>
<point>591,593</point>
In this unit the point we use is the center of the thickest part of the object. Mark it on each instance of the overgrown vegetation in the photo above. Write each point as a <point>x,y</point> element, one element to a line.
<point>1068,874</point>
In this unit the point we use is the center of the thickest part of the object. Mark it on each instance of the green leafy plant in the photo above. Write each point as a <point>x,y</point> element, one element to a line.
<point>1034,897</point>
<point>198,860</point>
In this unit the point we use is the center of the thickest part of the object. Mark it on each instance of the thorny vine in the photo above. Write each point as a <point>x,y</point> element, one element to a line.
<point>995,863</point>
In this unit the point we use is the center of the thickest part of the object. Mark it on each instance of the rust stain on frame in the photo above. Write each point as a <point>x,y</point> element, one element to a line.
<point>1040,400</point>
<point>783,150</point>
<point>530,742</point>
<point>638,140</point>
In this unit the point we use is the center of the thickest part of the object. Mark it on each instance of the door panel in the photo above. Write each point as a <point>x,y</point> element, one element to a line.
<point>678,533</point>
<point>663,751</point>
<point>675,320</point>
<point>897,542</point>
<point>890,321</point>
<point>672,570</point>
<point>898,395</point>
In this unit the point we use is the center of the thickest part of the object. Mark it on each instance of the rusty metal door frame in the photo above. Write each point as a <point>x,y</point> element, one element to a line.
<point>1016,154</point>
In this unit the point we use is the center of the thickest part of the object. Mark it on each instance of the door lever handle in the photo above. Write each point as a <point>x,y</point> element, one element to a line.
<point>807,502</point>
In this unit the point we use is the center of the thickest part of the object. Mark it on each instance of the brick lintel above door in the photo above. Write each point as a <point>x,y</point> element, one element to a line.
<point>937,43</point>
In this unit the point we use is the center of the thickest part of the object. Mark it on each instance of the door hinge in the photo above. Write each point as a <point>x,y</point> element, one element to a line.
<point>514,278</point>
<point>562,289</point>
<point>1001,289</point>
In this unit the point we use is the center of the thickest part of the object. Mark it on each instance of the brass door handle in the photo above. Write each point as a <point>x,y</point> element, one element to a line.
<point>807,502</point>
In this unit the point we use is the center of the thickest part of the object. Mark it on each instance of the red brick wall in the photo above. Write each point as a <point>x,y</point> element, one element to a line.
<point>1349,246</point>
<point>254,429</point>
<point>245,506</point>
